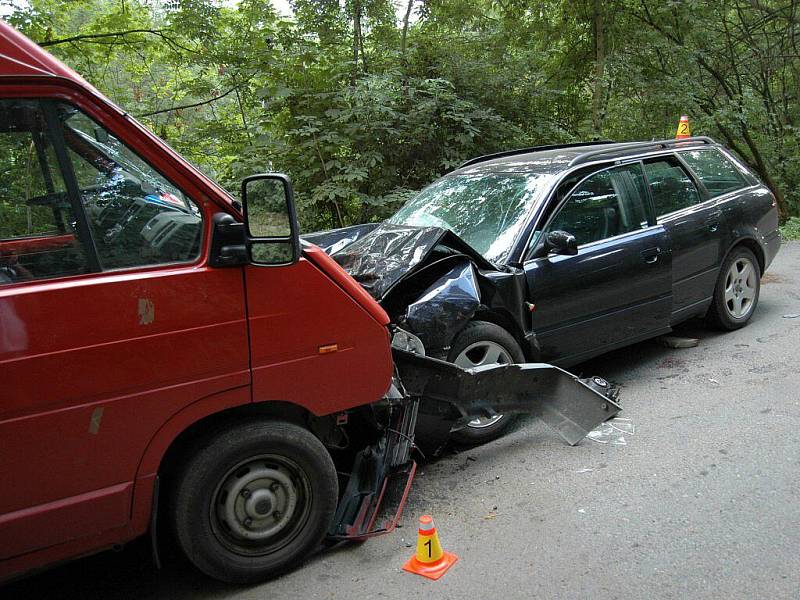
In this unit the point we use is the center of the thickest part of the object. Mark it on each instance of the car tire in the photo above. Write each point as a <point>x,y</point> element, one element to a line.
<point>254,500</point>
<point>736,292</point>
<point>467,350</point>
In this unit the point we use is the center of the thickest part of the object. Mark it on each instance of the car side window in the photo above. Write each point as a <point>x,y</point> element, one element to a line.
<point>38,237</point>
<point>604,205</point>
<point>136,216</point>
<point>714,171</point>
<point>670,185</point>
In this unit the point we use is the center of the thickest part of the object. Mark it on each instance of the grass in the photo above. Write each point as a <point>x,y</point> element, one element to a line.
<point>791,229</point>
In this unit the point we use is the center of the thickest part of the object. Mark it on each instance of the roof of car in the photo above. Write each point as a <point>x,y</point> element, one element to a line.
<point>556,158</point>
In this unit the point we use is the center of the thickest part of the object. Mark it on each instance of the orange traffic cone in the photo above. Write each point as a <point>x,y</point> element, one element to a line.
<point>683,129</point>
<point>430,560</point>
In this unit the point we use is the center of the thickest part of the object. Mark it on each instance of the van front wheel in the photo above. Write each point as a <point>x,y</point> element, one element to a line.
<point>254,500</point>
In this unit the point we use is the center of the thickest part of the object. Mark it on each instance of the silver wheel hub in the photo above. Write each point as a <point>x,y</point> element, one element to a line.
<point>259,504</point>
<point>740,288</point>
<point>478,354</point>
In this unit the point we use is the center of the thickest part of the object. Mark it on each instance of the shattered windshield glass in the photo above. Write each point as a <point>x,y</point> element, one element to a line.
<point>487,211</point>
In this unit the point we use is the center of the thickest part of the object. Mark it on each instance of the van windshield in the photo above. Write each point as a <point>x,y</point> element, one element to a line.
<point>488,211</point>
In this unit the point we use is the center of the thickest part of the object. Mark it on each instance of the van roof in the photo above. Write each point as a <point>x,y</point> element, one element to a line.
<point>21,56</point>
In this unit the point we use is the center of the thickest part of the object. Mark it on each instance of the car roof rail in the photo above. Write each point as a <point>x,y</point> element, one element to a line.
<point>505,153</point>
<point>638,147</point>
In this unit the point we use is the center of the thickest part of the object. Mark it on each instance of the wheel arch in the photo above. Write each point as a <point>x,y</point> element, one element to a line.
<point>165,449</point>
<point>504,320</point>
<point>751,243</point>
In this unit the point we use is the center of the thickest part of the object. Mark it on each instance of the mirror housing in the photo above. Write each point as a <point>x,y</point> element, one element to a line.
<point>272,234</point>
<point>561,242</point>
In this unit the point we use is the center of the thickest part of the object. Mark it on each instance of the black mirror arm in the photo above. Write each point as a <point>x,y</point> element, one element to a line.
<point>227,242</point>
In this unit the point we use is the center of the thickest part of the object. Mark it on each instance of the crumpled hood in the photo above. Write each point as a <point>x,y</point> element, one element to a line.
<point>383,255</point>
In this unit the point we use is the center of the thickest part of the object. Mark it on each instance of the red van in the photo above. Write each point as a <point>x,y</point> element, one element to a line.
<point>139,337</point>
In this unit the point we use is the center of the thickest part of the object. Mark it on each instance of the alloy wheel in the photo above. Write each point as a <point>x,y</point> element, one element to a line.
<point>478,354</point>
<point>740,288</point>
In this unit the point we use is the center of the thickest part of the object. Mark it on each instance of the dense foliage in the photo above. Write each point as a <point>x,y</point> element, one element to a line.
<point>362,102</point>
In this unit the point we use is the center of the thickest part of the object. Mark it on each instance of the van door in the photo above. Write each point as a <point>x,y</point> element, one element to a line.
<point>696,229</point>
<point>110,321</point>
<point>617,289</point>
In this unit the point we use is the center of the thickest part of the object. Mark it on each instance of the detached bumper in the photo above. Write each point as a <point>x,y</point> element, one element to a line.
<point>571,406</point>
<point>382,473</point>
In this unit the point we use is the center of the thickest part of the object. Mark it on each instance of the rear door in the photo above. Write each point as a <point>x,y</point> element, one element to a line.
<point>617,288</point>
<point>696,227</point>
<point>110,320</point>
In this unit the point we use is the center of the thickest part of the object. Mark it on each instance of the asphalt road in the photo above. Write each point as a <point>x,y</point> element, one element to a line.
<point>702,502</point>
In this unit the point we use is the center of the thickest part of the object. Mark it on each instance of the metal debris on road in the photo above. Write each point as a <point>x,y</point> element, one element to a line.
<point>791,316</point>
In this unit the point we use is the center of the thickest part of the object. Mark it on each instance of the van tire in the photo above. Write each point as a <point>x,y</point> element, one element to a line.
<point>254,500</point>
<point>474,335</point>
<point>722,312</point>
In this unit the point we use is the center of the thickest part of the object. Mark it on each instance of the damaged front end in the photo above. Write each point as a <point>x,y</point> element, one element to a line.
<point>429,281</point>
<point>432,284</point>
<point>381,474</point>
<point>429,390</point>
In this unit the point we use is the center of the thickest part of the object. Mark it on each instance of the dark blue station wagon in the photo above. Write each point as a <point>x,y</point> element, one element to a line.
<point>575,250</point>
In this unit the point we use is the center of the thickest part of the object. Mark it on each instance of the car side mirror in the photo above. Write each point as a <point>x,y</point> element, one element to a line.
<point>561,242</point>
<point>272,234</point>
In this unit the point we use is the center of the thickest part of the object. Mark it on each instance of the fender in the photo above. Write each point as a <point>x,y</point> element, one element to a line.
<point>141,506</point>
<point>748,235</point>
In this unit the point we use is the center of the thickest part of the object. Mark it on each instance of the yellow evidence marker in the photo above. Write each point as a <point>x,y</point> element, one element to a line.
<point>683,129</point>
<point>430,560</point>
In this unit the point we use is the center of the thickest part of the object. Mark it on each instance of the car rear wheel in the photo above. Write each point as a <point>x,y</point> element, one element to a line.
<point>483,343</point>
<point>737,290</point>
<point>254,500</point>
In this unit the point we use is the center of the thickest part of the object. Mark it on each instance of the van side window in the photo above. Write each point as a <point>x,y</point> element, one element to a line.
<point>607,204</point>
<point>37,221</point>
<point>714,171</point>
<point>135,215</point>
<point>671,186</point>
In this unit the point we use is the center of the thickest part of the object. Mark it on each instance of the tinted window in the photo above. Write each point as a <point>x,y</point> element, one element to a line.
<point>606,204</point>
<point>671,186</point>
<point>136,216</point>
<point>715,171</point>
<point>37,220</point>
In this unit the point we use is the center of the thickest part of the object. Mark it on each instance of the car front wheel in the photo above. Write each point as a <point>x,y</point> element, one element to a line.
<point>254,500</point>
<point>484,343</point>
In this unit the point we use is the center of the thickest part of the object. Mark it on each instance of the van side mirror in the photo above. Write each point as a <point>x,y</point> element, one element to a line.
<point>561,242</point>
<point>272,234</point>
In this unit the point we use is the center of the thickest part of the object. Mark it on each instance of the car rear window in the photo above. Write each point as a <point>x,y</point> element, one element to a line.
<point>715,171</point>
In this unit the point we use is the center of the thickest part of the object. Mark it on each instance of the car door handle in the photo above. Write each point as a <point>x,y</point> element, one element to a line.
<point>651,255</point>
<point>712,222</point>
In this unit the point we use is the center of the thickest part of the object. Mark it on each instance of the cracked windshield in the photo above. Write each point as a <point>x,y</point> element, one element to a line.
<point>486,211</point>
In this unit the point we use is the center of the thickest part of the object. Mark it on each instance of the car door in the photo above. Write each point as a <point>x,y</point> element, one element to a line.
<point>111,320</point>
<point>617,288</point>
<point>696,227</point>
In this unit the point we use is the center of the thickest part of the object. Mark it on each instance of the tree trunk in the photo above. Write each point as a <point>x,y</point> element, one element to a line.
<point>598,27</point>
<point>356,39</point>
<point>404,38</point>
<point>756,162</point>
